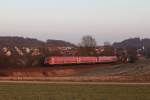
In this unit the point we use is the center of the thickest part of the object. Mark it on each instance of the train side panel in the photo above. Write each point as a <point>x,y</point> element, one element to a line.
<point>87,60</point>
<point>70,60</point>
<point>62,60</point>
<point>79,60</point>
<point>107,59</point>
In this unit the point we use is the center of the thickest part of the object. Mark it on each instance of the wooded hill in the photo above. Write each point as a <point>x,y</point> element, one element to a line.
<point>133,42</point>
<point>31,42</point>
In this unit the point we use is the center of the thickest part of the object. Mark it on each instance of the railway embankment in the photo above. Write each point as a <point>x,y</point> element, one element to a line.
<point>130,72</point>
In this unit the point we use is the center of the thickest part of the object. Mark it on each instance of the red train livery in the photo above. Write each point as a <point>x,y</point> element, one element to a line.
<point>79,60</point>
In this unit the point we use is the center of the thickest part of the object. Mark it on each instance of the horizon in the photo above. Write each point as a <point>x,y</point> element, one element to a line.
<point>69,41</point>
<point>69,20</point>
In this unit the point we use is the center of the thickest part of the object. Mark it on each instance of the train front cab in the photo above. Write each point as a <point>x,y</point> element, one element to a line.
<point>48,61</point>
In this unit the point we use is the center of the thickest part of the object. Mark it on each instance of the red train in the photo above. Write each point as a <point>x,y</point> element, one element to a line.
<point>79,60</point>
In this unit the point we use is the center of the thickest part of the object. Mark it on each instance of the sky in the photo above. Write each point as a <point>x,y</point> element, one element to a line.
<point>105,20</point>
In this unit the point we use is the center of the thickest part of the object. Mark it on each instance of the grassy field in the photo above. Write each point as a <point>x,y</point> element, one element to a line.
<point>73,92</point>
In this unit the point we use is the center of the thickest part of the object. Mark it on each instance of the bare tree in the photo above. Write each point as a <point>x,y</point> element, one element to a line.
<point>88,42</point>
<point>87,46</point>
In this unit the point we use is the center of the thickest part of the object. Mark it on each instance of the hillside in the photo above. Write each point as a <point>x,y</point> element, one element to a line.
<point>133,42</point>
<point>31,42</point>
<point>60,43</point>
